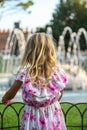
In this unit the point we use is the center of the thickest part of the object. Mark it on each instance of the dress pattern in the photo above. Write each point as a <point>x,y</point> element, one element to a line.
<point>42,110</point>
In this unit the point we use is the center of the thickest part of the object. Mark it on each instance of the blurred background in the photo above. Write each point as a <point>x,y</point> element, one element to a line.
<point>63,20</point>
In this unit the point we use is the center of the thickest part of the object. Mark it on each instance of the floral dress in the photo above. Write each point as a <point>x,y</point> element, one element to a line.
<point>42,110</point>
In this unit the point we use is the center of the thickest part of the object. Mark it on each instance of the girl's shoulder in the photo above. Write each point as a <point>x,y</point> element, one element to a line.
<point>59,74</point>
<point>58,69</point>
<point>21,74</point>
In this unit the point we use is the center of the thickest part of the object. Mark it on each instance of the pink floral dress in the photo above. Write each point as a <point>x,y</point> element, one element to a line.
<point>42,110</point>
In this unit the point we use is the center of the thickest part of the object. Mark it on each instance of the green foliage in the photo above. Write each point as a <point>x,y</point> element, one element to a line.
<point>14,5</point>
<point>24,5</point>
<point>70,13</point>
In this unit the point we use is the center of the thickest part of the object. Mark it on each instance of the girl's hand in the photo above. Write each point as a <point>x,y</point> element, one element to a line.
<point>7,102</point>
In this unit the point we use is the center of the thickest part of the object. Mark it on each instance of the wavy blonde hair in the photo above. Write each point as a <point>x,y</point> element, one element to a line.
<point>40,56</point>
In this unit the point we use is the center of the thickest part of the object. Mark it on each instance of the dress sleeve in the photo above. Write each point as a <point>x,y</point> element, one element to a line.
<point>60,79</point>
<point>21,75</point>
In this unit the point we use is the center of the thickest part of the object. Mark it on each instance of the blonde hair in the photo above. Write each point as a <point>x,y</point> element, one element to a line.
<point>40,56</point>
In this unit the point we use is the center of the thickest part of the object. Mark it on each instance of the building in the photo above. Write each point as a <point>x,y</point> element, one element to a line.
<point>4,35</point>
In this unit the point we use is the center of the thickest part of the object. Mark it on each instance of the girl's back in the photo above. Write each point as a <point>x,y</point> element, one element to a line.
<point>42,110</point>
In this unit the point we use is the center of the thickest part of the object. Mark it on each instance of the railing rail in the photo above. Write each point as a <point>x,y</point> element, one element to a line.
<point>81,110</point>
<point>70,111</point>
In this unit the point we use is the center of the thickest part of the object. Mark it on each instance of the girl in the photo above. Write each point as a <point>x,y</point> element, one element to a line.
<point>42,85</point>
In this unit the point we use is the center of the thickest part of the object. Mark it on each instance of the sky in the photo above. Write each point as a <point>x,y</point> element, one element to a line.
<point>41,14</point>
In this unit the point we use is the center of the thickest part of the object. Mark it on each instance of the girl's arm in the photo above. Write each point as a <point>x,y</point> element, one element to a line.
<point>12,91</point>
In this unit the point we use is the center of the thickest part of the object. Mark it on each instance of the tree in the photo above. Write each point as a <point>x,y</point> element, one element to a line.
<point>12,6</point>
<point>69,13</point>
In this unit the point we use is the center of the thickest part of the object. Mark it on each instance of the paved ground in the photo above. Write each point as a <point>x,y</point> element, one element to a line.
<point>75,96</point>
<point>69,96</point>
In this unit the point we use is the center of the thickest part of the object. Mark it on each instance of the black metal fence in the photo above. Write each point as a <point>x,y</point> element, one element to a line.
<point>75,115</point>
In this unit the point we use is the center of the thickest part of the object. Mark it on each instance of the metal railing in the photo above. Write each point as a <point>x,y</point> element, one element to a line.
<point>11,110</point>
<point>75,115</point>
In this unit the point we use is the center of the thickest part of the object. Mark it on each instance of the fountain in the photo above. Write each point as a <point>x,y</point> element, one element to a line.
<point>49,31</point>
<point>13,51</point>
<point>10,58</point>
<point>72,60</point>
